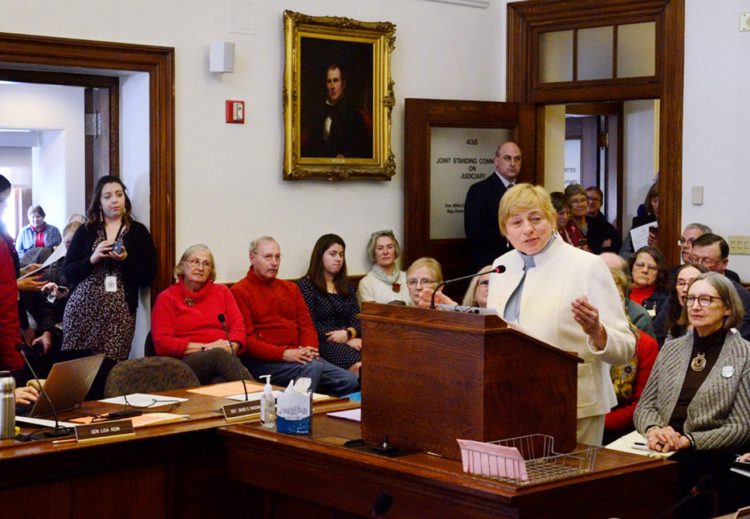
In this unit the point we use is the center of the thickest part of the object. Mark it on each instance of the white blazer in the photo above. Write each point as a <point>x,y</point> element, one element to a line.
<point>562,274</point>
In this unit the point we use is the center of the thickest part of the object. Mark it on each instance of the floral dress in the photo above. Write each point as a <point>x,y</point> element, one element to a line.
<point>95,320</point>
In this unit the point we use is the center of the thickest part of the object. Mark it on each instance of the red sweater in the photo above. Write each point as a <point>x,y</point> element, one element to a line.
<point>175,323</point>
<point>640,294</point>
<point>276,316</point>
<point>10,326</point>
<point>621,417</point>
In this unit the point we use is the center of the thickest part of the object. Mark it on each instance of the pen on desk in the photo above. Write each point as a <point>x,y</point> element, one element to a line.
<point>640,446</point>
<point>66,440</point>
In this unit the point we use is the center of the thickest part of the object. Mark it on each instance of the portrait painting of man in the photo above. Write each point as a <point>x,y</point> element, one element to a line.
<point>336,99</point>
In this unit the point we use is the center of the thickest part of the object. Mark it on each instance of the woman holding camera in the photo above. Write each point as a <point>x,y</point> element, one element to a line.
<point>110,258</point>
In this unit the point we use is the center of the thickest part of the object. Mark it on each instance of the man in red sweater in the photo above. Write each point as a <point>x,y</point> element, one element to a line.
<point>281,338</point>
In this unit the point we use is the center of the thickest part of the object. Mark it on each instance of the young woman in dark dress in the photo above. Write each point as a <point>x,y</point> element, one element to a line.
<point>332,302</point>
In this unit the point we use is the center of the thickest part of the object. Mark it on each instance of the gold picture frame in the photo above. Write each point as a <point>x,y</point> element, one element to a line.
<point>338,98</point>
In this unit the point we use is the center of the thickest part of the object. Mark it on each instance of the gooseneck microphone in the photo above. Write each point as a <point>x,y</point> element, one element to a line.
<point>223,321</point>
<point>497,270</point>
<point>57,431</point>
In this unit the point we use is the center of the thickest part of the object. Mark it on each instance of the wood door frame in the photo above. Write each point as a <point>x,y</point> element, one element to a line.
<point>526,19</point>
<point>420,116</point>
<point>158,62</point>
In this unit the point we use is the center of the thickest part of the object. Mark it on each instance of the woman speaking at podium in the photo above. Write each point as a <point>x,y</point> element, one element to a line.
<point>563,295</point>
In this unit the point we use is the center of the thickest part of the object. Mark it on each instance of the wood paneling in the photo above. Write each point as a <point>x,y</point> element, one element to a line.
<point>527,19</point>
<point>421,116</point>
<point>158,62</point>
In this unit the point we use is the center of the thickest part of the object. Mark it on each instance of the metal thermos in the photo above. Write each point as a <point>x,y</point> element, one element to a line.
<point>7,405</point>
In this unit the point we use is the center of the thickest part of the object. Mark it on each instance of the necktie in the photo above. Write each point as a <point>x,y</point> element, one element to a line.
<point>513,307</point>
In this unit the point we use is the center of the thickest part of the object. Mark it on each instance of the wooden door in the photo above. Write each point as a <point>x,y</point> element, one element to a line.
<point>423,117</point>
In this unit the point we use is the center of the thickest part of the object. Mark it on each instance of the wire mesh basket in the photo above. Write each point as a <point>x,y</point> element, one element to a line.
<point>534,460</point>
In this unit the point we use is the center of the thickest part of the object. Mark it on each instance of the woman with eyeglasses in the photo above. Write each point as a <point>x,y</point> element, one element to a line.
<point>697,400</point>
<point>648,268</point>
<point>332,302</point>
<point>110,258</point>
<point>185,323</point>
<point>566,228</point>
<point>476,294</point>
<point>386,282</point>
<point>423,273</point>
<point>666,324</point>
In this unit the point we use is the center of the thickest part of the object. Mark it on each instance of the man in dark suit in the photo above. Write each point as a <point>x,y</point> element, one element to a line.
<point>336,128</point>
<point>482,203</point>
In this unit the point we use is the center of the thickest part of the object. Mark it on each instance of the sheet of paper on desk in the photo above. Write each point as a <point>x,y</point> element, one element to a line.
<point>227,388</point>
<point>254,397</point>
<point>354,415</point>
<point>628,443</point>
<point>41,421</point>
<point>144,400</point>
<point>488,459</point>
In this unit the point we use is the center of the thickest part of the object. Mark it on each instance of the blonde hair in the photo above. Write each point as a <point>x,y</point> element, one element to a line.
<point>430,264</point>
<point>470,295</point>
<point>179,271</point>
<point>525,197</point>
<point>373,242</point>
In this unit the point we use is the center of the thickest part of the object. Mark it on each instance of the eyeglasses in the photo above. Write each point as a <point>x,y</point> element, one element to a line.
<point>703,301</point>
<point>641,264</point>
<point>196,263</point>
<point>271,257</point>
<point>416,282</point>
<point>685,241</point>
<point>705,261</point>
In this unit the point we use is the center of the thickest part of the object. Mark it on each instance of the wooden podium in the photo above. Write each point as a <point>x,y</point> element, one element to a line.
<point>430,377</point>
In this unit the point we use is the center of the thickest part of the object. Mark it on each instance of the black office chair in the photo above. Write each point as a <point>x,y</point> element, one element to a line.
<point>148,375</point>
<point>149,350</point>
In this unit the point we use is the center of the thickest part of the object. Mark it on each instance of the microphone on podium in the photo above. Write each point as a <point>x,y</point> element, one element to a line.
<point>223,320</point>
<point>497,270</point>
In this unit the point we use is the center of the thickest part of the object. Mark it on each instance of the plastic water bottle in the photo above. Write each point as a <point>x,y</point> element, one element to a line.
<point>7,405</point>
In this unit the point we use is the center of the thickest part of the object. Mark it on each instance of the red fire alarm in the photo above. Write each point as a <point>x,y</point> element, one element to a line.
<point>235,112</point>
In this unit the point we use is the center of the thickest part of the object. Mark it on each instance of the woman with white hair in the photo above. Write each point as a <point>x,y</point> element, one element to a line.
<point>386,282</point>
<point>186,324</point>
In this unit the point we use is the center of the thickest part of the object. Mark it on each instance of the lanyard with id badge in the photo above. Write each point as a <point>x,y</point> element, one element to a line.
<point>110,281</point>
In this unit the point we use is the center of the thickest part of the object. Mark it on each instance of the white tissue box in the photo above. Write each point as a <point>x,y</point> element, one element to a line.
<point>294,412</point>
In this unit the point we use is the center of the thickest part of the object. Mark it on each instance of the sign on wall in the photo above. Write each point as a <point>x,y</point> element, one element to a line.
<point>459,157</point>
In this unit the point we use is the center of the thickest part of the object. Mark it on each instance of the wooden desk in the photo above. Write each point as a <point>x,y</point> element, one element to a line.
<point>313,477</point>
<point>172,470</point>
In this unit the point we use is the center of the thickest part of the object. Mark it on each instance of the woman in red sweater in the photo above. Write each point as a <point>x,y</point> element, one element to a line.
<point>629,379</point>
<point>650,279</point>
<point>187,320</point>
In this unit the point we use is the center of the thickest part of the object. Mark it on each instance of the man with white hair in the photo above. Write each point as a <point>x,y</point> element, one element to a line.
<point>281,338</point>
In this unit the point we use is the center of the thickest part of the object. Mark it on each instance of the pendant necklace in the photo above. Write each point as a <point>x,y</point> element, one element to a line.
<point>699,362</point>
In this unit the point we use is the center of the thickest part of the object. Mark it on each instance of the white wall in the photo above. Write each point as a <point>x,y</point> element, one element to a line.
<point>18,164</point>
<point>638,156</point>
<point>228,177</point>
<point>134,170</point>
<point>49,175</point>
<point>59,109</point>
<point>716,140</point>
